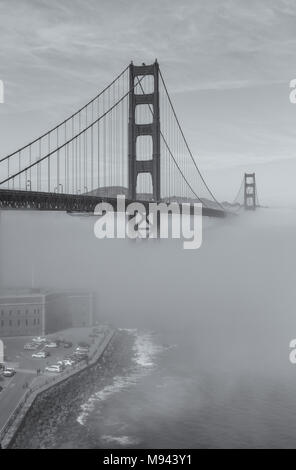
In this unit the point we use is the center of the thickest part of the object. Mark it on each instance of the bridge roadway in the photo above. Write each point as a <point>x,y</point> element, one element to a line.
<point>43,201</point>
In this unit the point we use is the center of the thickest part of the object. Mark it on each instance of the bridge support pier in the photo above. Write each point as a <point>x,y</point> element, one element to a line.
<point>136,130</point>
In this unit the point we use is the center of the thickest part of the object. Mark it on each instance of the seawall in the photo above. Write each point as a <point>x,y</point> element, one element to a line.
<point>47,394</point>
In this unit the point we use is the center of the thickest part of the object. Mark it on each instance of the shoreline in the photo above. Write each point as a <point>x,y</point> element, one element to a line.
<point>16,421</point>
<point>54,413</point>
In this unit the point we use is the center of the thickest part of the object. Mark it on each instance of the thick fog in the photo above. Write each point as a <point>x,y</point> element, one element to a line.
<point>234,298</point>
<point>228,308</point>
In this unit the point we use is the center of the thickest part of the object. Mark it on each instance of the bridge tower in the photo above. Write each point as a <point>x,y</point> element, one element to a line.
<point>250,191</point>
<point>135,130</point>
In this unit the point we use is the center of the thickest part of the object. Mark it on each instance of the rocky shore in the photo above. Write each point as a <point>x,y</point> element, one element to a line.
<point>52,420</point>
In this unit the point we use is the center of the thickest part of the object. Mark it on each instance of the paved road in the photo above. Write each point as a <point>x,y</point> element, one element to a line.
<point>12,394</point>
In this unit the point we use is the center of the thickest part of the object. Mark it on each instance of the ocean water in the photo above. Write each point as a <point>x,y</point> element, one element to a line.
<point>166,401</point>
<point>169,402</point>
<point>113,430</point>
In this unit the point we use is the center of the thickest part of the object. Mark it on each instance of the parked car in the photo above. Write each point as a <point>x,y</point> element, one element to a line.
<point>31,346</point>
<point>40,354</point>
<point>1,388</point>
<point>8,372</point>
<point>83,344</point>
<point>81,356</point>
<point>65,362</point>
<point>69,362</point>
<point>67,344</point>
<point>39,339</point>
<point>81,349</point>
<point>51,344</point>
<point>74,358</point>
<point>57,368</point>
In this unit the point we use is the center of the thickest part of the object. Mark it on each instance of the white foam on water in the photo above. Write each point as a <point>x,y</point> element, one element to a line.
<point>122,440</point>
<point>119,383</point>
<point>145,351</point>
<point>128,330</point>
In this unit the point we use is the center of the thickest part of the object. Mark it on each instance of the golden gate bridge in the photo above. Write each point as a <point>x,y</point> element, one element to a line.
<point>127,140</point>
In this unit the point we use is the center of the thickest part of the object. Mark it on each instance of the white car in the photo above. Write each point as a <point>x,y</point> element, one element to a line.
<point>66,362</point>
<point>40,354</point>
<point>82,349</point>
<point>39,339</point>
<point>69,362</point>
<point>54,368</point>
<point>51,345</point>
<point>8,372</point>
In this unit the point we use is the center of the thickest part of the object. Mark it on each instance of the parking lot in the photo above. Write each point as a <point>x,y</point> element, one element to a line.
<point>30,371</point>
<point>22,361</point>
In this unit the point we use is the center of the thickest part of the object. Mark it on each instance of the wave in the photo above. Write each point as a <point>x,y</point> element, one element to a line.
<point>145,351</point>
<point>122,440</point>
<point>119,383</point>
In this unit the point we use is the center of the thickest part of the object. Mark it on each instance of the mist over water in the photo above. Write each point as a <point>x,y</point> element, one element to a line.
<point>215,324</point>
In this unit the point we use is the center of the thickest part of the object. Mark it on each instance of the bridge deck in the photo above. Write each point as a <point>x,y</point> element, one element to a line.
<point>43,201</point>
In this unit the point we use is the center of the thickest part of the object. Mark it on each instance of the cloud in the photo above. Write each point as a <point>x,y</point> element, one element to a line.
<point>56,55</point>
<point>210,44</point>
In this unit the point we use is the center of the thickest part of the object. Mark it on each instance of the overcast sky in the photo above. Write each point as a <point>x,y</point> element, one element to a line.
<point>227,64</point>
